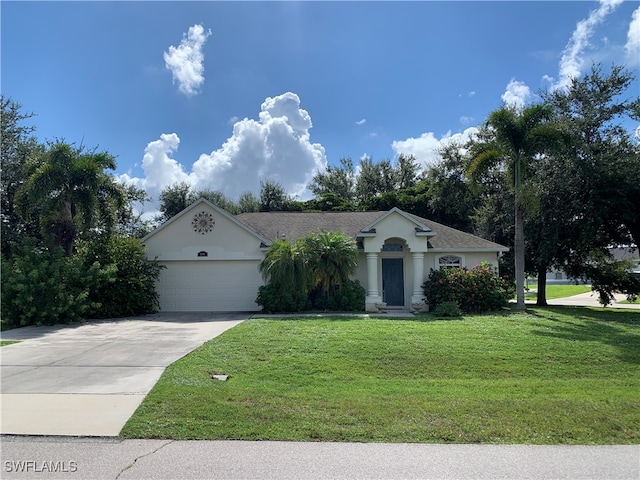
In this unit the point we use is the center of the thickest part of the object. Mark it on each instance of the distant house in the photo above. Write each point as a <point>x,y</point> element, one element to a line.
<point>212,257</point>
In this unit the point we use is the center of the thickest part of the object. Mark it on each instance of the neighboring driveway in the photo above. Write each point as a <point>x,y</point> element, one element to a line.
<point>88,379</point>
<point>590,299</point>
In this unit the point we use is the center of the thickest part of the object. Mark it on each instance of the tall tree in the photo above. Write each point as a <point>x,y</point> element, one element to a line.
<point>273,197</point>
<point>407,171</point>
<point>368,183</point>
<point>248,202</point>
<point>590,190</point>
<point>450,198</point>
<point>173,199</point>
<point>18,148</point>
<point>216,197</point>
<point>131,222</point>
<point>74,192</point>
<point>335,181</point>
<point>607,158</point>
<point>515,138</point>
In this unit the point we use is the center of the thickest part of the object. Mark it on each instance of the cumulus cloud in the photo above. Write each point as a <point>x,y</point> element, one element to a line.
<point>361,122</point>
<point>516,94</point>
<point>632,46</point>
<point>186,61</point>
<point>276,147</point>
<point>425,148</point>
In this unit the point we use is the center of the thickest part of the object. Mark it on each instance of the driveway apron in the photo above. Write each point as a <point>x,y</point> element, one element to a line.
<point>88,379</point>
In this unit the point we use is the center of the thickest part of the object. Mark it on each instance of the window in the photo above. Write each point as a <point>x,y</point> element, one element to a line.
<point>450,261</point>
<point>392,247</point>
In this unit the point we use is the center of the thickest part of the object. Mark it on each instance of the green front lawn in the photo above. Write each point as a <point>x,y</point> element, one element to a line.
<point>554,375</point>
<point>560,291</point>
<point>8,342</point>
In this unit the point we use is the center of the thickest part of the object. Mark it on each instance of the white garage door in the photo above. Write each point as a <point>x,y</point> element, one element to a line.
<point>209,286</point>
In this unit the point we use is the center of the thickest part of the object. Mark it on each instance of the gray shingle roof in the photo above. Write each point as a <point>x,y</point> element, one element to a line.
<point>292,225</point>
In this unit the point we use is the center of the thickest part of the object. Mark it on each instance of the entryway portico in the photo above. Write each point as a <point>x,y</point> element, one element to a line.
<point>395,246</point>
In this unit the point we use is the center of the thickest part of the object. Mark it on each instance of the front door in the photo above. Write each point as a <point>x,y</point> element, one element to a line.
<point>393,282</point>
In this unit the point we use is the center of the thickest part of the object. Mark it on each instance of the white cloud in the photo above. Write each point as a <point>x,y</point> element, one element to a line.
<point>425,148</point>
<point>361,122</point>
<point>472,93</point>
<point>159,168</point>
<point>572,61</point>
<point>632,47</point>
<point>466,120</point>
<point>275,147</point>
<point>516,94</point>
<point>186,61</point>
<point>232,120</point>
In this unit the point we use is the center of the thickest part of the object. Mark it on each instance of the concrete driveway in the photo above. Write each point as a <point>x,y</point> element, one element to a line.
<point>88,379</point>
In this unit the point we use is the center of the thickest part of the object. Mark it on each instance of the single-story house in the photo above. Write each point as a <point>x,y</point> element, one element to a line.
<point>212,257</point>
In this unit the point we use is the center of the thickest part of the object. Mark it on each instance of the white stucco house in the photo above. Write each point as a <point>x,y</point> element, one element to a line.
<point>211,256</point>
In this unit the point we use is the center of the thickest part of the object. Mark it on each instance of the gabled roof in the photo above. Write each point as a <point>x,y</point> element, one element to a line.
<point>292,225</point>
<point>199,203</point>
<point>421,228</point>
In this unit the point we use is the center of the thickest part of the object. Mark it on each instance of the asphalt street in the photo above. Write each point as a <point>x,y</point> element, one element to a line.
<point>24,458</point>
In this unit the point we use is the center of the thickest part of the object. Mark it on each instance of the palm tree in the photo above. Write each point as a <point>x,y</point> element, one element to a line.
<point>332,257</point>
<point>283,265</point>
<point>515,137</point>
<point>73,193</point>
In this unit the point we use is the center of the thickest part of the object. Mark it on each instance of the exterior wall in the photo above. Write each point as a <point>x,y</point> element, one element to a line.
<point>227,241</point>
<point>395,226</point>
<point>226,279</point>
<point>469,259</point>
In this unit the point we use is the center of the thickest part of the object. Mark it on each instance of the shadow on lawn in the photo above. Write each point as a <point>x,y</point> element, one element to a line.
<point>584,324</point>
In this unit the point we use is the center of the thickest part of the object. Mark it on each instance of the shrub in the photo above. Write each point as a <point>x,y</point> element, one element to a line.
<point>129,284</point>
<point>311,273</point>
<point>447,309</point>
<point>348,297</point>
<point>275,299</point>
<point>475,290</point>
<point>42,286</point>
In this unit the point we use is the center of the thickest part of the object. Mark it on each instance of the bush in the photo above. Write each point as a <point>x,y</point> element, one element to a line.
<point>41,286</point>
<point>475,290</point>
<point>275,299</point>
<point>129,284</point>
<point>348,297</point>
<point>447,309</point>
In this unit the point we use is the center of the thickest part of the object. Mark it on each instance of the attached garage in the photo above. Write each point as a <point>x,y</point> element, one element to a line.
<point>211,261</point>
<point>214,286</point>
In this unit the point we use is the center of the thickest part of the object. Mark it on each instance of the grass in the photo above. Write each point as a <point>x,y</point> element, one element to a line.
<point>561,291</point>
<point>637,301</point>
<point>556,375</point>
<point>8,342</point>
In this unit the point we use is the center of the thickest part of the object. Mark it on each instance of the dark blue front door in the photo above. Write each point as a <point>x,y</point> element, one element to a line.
<point>392,282</point>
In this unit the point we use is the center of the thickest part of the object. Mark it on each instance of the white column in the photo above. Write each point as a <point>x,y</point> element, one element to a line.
<point>373,293</point>
<point>418,277</point>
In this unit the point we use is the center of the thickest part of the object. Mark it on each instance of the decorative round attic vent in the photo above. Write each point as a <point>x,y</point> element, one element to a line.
<point>203,222</point>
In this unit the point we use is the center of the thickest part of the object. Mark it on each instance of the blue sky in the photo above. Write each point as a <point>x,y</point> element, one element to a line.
<point>223,94</point>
